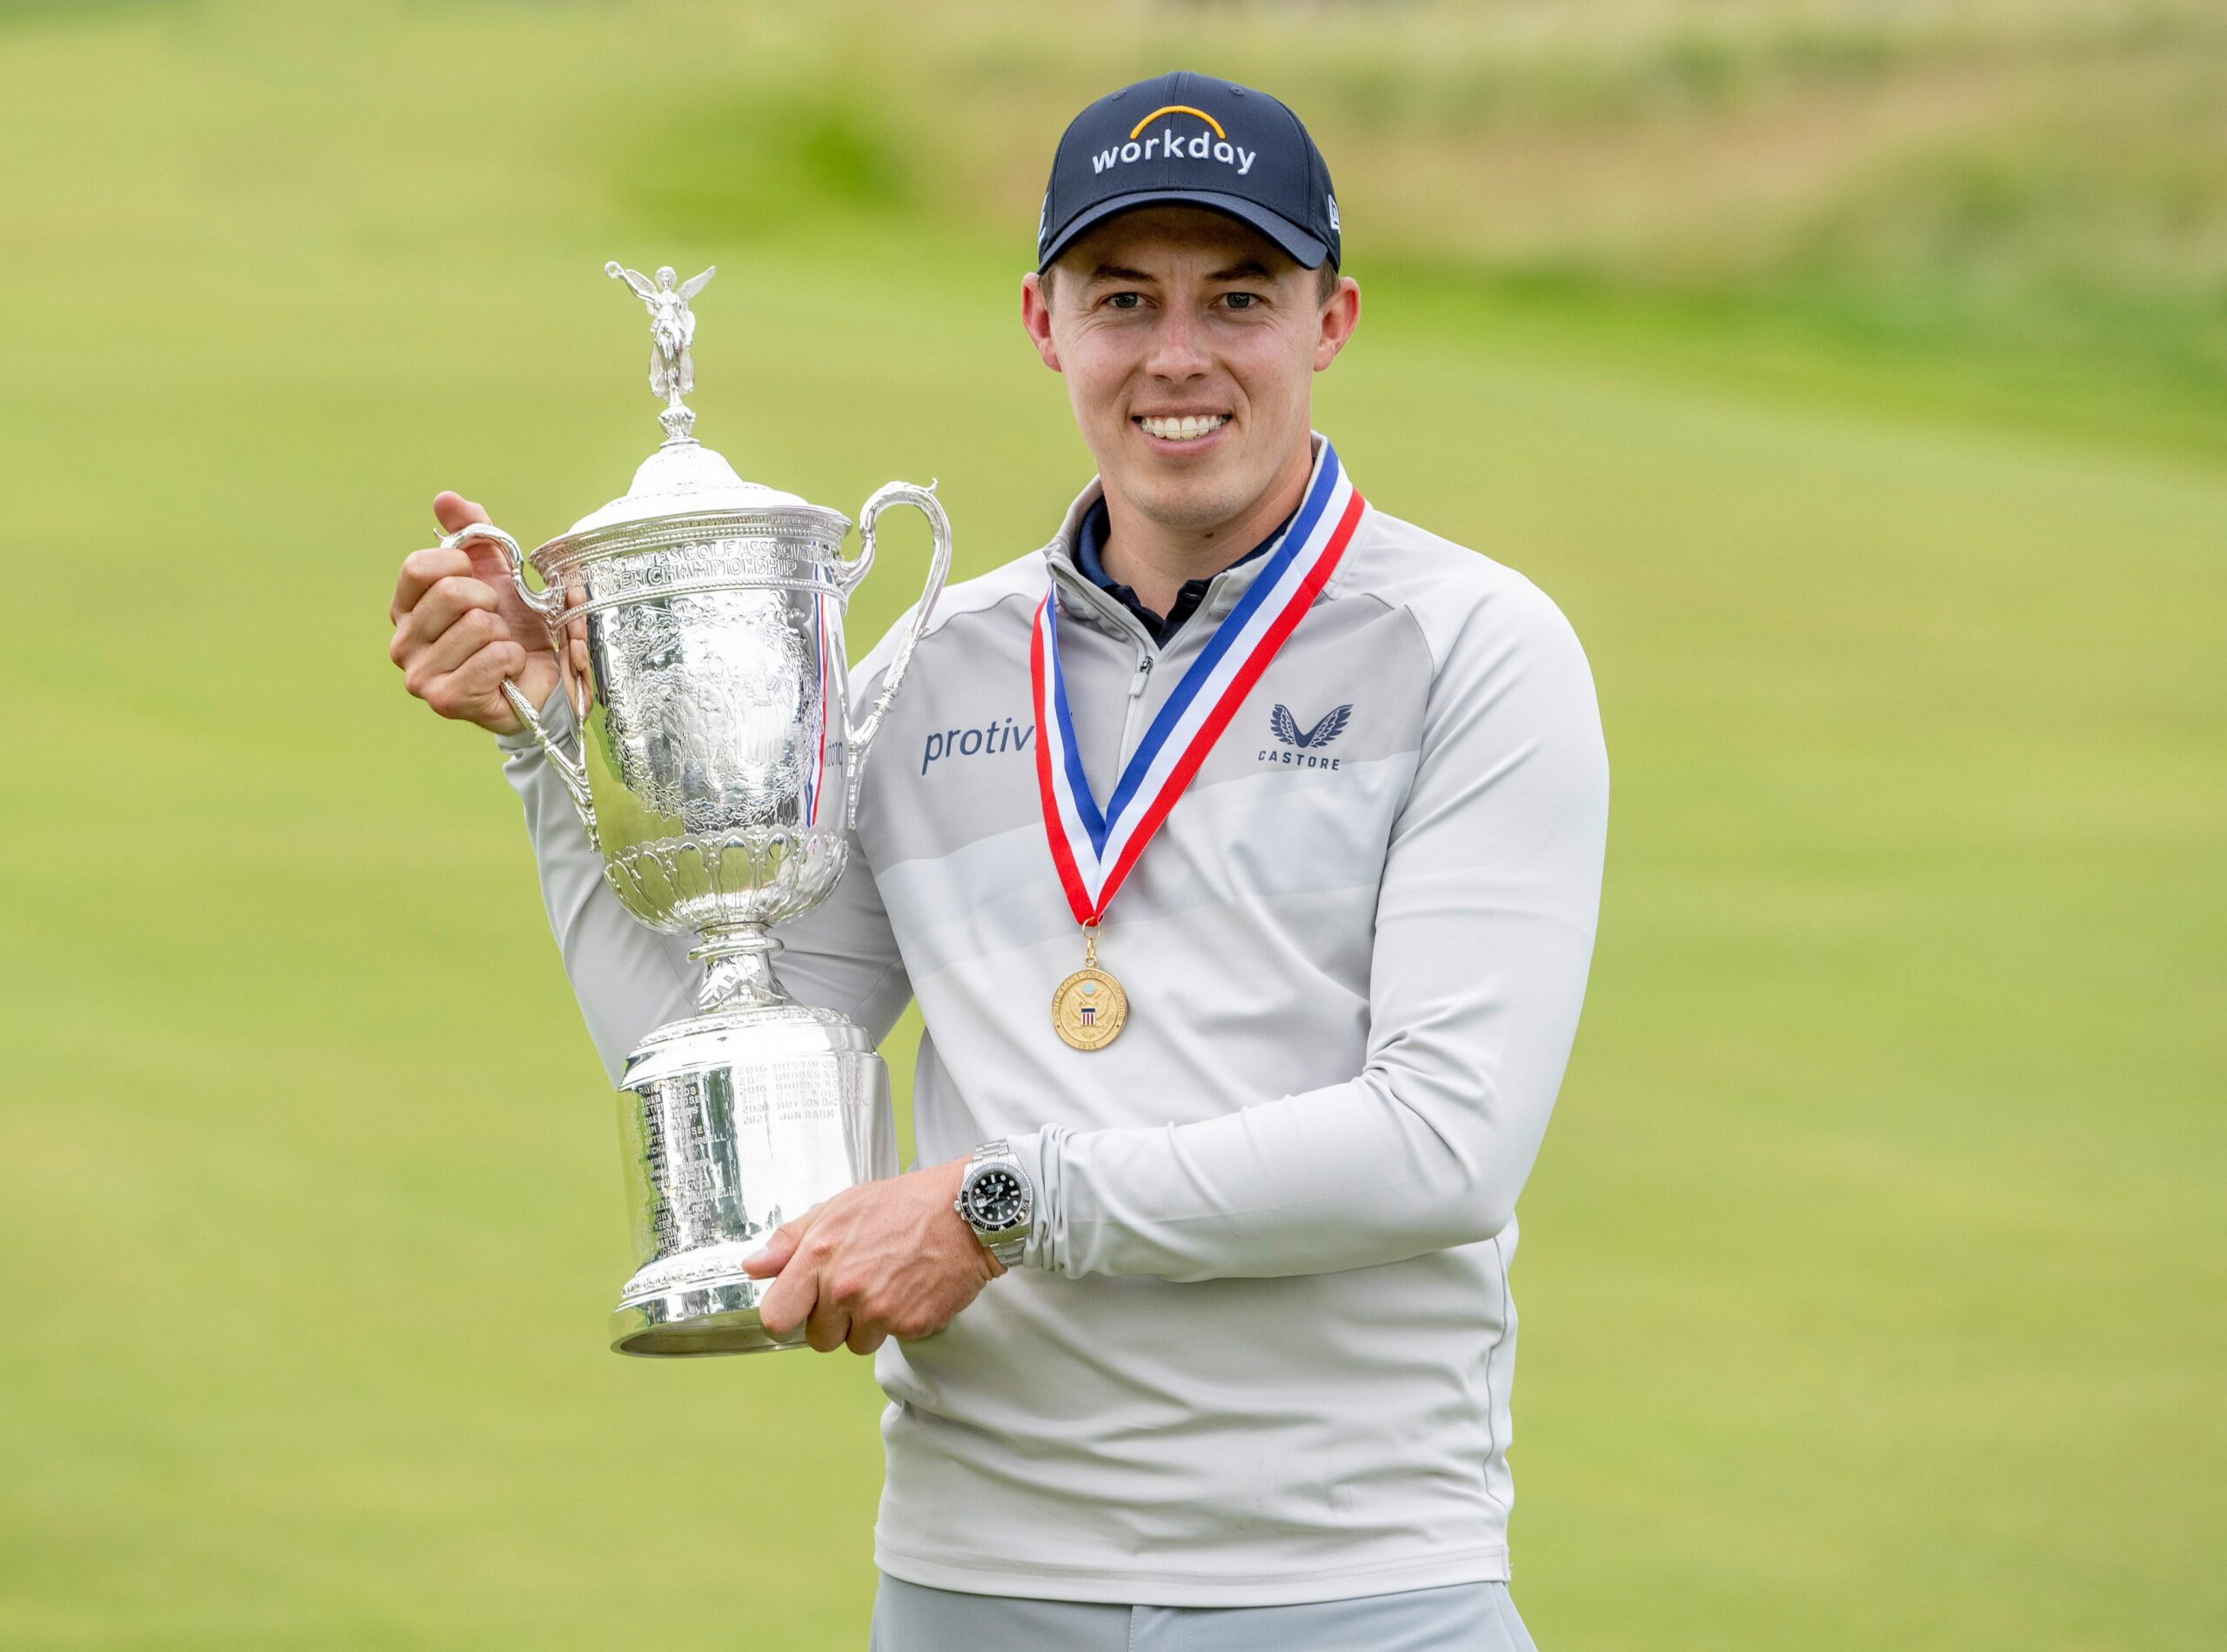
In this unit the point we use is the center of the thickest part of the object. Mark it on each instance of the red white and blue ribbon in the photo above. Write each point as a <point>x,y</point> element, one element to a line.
<point>816,770</point>
<point>1095,849</point>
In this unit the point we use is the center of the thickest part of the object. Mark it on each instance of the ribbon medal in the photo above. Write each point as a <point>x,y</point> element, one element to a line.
<point>1093,849</point>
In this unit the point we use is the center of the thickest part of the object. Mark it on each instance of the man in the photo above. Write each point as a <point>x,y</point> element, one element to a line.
<point>1318,801</point>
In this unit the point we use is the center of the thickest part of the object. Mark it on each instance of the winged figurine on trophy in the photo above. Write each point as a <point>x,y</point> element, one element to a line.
<point>672,326</point>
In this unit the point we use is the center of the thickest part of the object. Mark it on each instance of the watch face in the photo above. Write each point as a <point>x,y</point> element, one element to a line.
<point>996,1198</point>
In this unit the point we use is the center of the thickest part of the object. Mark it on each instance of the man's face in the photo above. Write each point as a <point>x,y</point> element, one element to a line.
<point>1189,342</point>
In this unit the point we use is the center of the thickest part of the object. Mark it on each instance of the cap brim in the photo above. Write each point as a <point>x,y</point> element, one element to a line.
<point>1306,249</point>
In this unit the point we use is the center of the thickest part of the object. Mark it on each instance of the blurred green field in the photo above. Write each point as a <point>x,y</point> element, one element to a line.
<point>1875,1275</point>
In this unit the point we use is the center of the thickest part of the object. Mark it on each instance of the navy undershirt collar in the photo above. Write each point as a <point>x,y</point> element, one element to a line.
<point>1092,533</point>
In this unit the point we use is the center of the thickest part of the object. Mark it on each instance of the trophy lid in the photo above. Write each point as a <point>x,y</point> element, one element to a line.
<point>683,478</point>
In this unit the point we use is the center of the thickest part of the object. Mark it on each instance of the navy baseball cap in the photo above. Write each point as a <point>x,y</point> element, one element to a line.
<point>1191,139</point>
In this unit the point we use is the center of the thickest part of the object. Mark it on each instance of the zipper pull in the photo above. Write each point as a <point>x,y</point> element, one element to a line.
<point>1144,672</point>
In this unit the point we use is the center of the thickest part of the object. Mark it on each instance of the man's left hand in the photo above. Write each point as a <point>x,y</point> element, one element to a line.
<point>882,1260</point>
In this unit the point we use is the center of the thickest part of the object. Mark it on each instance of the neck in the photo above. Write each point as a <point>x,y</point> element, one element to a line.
<point>1155,560</point>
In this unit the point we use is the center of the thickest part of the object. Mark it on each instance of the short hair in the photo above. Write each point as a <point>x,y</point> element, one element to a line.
<point>1325,281</point>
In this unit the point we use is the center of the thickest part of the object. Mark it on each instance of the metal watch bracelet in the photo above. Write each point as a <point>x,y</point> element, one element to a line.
<point>997,1199</point>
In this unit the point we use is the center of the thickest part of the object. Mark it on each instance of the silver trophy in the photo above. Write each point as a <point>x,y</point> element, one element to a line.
<point>698,628</point>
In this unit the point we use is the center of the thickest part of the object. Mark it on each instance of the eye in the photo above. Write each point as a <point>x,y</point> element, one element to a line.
<point>1126,300</point>
<point>1241,300</point>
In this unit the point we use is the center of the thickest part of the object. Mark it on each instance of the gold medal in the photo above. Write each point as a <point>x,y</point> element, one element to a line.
<point>1089,1009</point>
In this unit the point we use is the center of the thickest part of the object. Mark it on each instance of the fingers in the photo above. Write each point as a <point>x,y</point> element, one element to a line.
<point>855,1272</point>
<point>448,605</point>
<point>864,1338</point>
<point>453,510</point>
<point>461,629</point>
<point>793,1296</point>
<point>421,571</point>
<point>454,645</point>
<point>796,1293</point>
<point>829,1326</point>
<point>453,648</point>
<point>773,1255</point>
<point>421,568</point>
<point>473,692</point>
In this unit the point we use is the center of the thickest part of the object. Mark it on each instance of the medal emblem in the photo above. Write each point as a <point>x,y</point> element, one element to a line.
<point>1090,1009</point>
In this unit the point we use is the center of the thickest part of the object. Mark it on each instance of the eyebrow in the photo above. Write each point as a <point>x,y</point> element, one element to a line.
<point>1248,269</point>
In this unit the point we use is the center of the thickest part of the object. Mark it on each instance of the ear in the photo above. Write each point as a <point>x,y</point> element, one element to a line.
<point>1341,315</point>
<point>1036,318</point>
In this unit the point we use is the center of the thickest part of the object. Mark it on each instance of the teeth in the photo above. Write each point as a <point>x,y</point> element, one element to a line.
<point>1188,428</point>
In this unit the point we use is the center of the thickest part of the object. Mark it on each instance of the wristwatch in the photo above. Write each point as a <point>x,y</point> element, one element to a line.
<point>996,1200</point>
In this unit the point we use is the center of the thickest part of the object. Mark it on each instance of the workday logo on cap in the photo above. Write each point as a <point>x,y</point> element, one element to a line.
<point>1213,143</point>
<point>1192,139</point>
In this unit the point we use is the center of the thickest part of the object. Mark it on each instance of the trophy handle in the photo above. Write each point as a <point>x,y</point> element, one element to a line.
<point>550,606</point>
<point>569,769</point>
<point>922,499</point>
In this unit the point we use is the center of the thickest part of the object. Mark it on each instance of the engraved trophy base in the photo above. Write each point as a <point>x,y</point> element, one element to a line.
<point>734,1121</point>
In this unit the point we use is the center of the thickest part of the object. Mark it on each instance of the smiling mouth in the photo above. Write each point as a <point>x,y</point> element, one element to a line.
<point>1187,427</point>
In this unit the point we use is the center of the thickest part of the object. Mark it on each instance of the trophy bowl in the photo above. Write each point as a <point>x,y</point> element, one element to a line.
<point>698,622</point>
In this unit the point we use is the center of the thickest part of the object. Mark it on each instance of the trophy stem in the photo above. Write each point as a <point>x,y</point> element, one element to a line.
<point>738,968</point>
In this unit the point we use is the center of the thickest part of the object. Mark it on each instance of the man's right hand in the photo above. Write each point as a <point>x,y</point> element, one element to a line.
<point>461,629</point>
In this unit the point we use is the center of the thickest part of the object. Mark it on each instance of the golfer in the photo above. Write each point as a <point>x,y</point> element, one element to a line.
<point>1242,849</point>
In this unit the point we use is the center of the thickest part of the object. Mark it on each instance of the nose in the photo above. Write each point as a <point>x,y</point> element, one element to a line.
<point>1178,349</point>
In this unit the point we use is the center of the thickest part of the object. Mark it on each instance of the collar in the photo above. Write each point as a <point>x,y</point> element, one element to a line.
<point>1090,535</point>
<point>1083,591</point>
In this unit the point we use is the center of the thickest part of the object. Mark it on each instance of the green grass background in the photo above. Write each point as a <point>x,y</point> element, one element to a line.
<point>1852,376</point>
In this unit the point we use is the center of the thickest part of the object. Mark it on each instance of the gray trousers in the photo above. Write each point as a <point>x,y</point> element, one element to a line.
<point>1461,1617</point>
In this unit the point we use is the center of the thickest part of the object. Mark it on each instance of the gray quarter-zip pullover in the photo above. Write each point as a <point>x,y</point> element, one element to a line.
<point>1261,1346</point>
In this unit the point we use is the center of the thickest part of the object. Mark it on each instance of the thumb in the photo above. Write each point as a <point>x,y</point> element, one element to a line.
<point>453,510</point>
<point>773,1255</point>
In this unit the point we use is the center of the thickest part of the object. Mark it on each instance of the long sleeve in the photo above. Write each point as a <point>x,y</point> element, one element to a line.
<point>629,979</point>
<point>1484,930</point>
